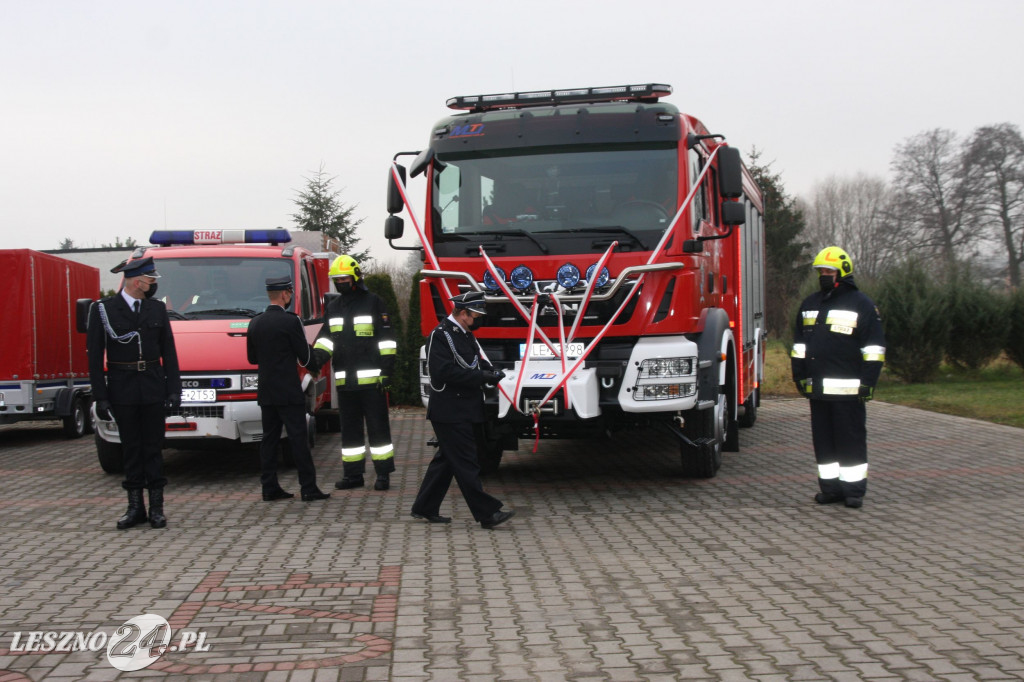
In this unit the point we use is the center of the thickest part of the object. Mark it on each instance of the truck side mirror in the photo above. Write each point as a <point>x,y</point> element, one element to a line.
<point>394,227</point>
<point>733,213</point>
<point>82,306</point>
<point>730,173</point>
<point>395,203</point>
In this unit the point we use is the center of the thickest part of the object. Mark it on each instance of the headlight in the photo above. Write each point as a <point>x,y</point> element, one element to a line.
<point>663,391</point>
<point>657,368</point>
<point>250,382</point>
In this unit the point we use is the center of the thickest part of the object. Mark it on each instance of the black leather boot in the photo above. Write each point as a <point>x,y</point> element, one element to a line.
<point>136,510</point>
<point>156,508</point>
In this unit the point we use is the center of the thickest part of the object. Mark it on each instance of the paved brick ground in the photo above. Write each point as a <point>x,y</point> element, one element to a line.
<point>615,568</point>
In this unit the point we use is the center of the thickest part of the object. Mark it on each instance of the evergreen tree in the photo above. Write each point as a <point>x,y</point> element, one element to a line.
<point>321,210</point>
<point>787,261</point>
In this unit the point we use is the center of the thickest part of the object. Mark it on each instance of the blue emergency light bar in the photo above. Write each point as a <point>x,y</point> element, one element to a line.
<point>647,92</point>
<point>172,237</point>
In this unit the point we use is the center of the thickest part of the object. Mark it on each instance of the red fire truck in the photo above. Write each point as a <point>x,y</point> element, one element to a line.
<point>620,245</point>
<point>212,282</point>
<point>44,372</point>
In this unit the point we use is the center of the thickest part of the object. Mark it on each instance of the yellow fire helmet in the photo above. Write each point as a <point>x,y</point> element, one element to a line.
<point>345,265</point>
<point>835,258</point>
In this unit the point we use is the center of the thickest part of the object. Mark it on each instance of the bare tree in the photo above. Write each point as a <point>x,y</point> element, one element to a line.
<point>997,154</point>
<point>935,189</point>
<point>854,214</point>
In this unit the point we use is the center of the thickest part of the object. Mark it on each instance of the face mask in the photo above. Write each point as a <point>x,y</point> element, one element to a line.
<point>152,290</point>
<point>344,287</point>
<point>827,282</point>
<point>475,323</point>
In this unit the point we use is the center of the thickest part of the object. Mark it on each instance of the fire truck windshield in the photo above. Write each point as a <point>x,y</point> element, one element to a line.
<point>556,202</point>
<point>218,287</point>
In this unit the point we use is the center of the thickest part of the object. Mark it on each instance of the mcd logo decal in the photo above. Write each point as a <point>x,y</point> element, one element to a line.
<point>544,376</point>
<point>469,130</point>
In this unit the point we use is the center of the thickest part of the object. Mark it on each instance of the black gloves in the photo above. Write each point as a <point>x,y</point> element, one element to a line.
<point>866,393</point>
<point>491,378</point>
<point>103,410</point>
<point>173,401</point>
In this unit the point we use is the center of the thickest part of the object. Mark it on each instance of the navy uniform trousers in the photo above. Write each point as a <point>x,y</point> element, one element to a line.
<point>141,428</point>
<point>293,419</point>
<point>455,457</point>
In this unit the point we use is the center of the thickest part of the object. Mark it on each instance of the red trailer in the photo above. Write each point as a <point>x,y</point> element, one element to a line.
<point>44,373</point>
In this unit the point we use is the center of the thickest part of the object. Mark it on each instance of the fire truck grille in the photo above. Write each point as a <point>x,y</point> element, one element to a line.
<point>197,411</point>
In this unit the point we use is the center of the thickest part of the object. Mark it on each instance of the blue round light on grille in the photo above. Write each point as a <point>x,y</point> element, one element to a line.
<point>521,277</point>
<point>568,276</point>
<point>489,282</point>
<point>602,279</point>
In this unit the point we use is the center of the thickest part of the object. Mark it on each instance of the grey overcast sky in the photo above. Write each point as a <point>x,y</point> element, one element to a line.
<point>120,117</point>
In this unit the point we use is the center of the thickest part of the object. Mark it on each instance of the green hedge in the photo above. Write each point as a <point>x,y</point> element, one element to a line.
<point>979,323</point>
<point>916,319</point>
<point>1015,337</point>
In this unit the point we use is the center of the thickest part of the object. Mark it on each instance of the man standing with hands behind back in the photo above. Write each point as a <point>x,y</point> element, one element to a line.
<point>276,343</point>
<point>142,380</point>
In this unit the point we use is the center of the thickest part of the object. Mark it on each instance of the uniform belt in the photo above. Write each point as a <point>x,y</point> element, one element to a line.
<point>137,366</point>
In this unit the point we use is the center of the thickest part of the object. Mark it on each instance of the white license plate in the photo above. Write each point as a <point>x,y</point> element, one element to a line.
<point>541,350</point>
<point>198,395</point>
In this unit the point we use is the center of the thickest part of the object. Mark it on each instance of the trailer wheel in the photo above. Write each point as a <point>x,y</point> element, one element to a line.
<point>76,424</point>
<point>705,458</point>
<point>328,422</point>
<point>750,409</point>
<point>111,456</point>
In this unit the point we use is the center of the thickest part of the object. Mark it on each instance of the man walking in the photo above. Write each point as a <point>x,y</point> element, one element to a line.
<point>458,372</point>
<point>277,344</point>
<point>837,356</point>
<point>142,380</point>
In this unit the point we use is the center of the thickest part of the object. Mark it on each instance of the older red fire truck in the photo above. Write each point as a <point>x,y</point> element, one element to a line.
<point>212,282</point>
<point>621,249</point>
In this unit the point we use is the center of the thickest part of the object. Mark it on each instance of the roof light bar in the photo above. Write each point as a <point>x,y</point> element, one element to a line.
<point>172,237</point>
<point>647,92</point>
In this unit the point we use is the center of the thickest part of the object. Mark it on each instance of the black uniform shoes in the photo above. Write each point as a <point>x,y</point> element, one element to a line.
<point>498,518</point>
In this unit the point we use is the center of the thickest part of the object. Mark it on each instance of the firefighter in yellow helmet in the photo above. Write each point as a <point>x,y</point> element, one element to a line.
<point>837,356</point>
<point>361,343</point>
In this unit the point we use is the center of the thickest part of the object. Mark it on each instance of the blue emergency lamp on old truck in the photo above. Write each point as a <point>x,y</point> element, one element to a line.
<point>620,246</point>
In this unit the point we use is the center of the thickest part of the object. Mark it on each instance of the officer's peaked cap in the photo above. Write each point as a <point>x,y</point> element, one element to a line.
<point>138,267</point>
<point>472,300</point>
<point>279,283</point>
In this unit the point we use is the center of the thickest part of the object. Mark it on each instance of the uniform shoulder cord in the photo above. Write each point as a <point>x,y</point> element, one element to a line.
<point>123,338</point>
<point>458,358</point>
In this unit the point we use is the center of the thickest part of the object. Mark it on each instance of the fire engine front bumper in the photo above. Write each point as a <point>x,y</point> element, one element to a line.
<point>238,421</point>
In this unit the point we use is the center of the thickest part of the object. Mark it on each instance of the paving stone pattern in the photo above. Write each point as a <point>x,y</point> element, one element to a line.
<point>614,568</point>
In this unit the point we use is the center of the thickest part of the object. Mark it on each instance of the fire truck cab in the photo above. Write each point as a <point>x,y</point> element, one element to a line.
<point>620,246</point>
<point>212,282</point>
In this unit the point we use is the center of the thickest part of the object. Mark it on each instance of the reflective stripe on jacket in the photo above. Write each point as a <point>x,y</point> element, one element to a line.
<point>838,343</point>
<point>360,340</point>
